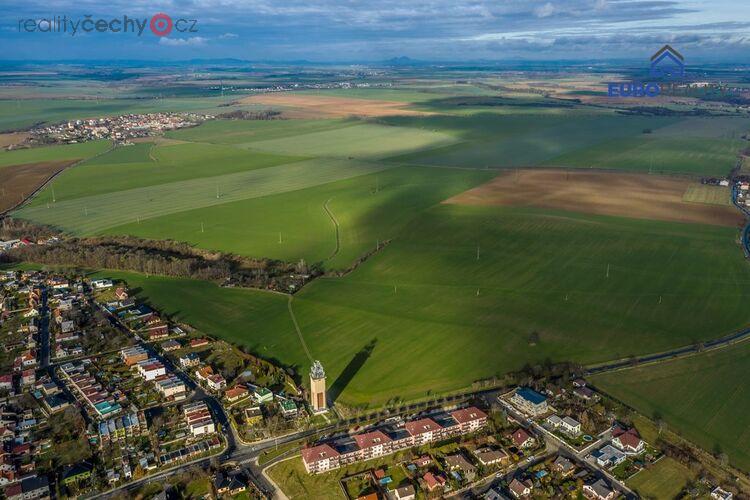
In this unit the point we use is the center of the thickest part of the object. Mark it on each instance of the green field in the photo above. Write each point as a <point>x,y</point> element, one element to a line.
<point>711,195</point>
<point>523,139</point>
<point>244,132</point>
<point>657,155</point>
<point>364,141</point>
<point>705,398</point>
<point>22,113</point>
<point>368,209</point>
<point>664,480</point>
<point>96,213</point>
<point>458,292</point>
<point>143,165</point>
<point>53,153</point>
<point>427,303</point>
<point>239,315</point>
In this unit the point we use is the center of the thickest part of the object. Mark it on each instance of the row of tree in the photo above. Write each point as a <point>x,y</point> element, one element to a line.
<point>168,258</point>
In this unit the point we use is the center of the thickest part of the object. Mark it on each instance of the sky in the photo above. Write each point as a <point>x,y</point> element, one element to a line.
<point>377,30</point>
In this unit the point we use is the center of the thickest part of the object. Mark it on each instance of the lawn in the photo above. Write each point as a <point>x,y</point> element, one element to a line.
<point>704,398</point>
<point>295,482</point>
<point>665,479</point>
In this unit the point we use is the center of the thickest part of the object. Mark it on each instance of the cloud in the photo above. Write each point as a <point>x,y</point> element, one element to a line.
<point>183,42</point>
<point>545,10</point>
<point>333,30</point>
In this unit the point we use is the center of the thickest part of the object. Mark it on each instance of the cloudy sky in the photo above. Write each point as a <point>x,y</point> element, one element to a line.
<point>373,30</point>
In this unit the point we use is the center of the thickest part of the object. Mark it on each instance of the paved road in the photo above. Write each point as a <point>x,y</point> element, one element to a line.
<point>719,343</point>
<point>565,449</point>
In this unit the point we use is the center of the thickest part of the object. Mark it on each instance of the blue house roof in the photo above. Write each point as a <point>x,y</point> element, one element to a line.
<point>531,395</point>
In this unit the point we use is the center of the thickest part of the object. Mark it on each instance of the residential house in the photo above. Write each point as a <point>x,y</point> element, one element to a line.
<point>150,369</point>
<point>320,458</point>
<point>434,481</point>
<point>373,444</point>
<point>133,355</point>
<point>404,493</point>
<point>628,440</point>
<point>563,466</point>
<point>262,395</point>
<point>522,439</point>
<point>488,456</point>
<point>198,343</point>
<point>520,489</point>
<point>609,456</point>
<point>170,345</point>
<point>288,408</point>
<point>529,401</point>
<point>236,393</point>
<point>470,419</point>
<point>189,360</point>
<point>198,419</point>
<point>28,489</point>
<point>598,490</point>
<point>253,415</point>
<point>720,494</point>
<point>458,462</point>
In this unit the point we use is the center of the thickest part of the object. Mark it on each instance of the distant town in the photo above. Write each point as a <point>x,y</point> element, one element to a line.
<point>120,128</point>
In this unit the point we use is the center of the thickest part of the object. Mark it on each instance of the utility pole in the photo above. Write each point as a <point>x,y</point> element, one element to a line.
<point>477,252</point>
<point>201,227</point>
<point>607,270</point>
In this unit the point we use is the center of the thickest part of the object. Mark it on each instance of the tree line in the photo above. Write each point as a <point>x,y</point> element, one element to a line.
<point>168,258</point>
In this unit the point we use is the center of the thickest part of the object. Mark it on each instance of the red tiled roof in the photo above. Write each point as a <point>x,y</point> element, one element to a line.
<point>519,437</point>
<point>370,439</point>
<point>469,414</point>
<point>421,426</point>
<point>320,452</point>
<point>628,437</point>
<point>236,391</point>
<point>432,481</point>
<point>13,490</point>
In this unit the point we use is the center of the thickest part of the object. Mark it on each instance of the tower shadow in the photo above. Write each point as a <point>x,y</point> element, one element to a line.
<point>351,370</point>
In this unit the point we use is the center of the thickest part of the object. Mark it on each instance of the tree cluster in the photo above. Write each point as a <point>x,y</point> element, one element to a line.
<point>167,258</point>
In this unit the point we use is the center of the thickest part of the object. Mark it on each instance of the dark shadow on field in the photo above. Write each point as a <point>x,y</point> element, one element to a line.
<point>351,370</point>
